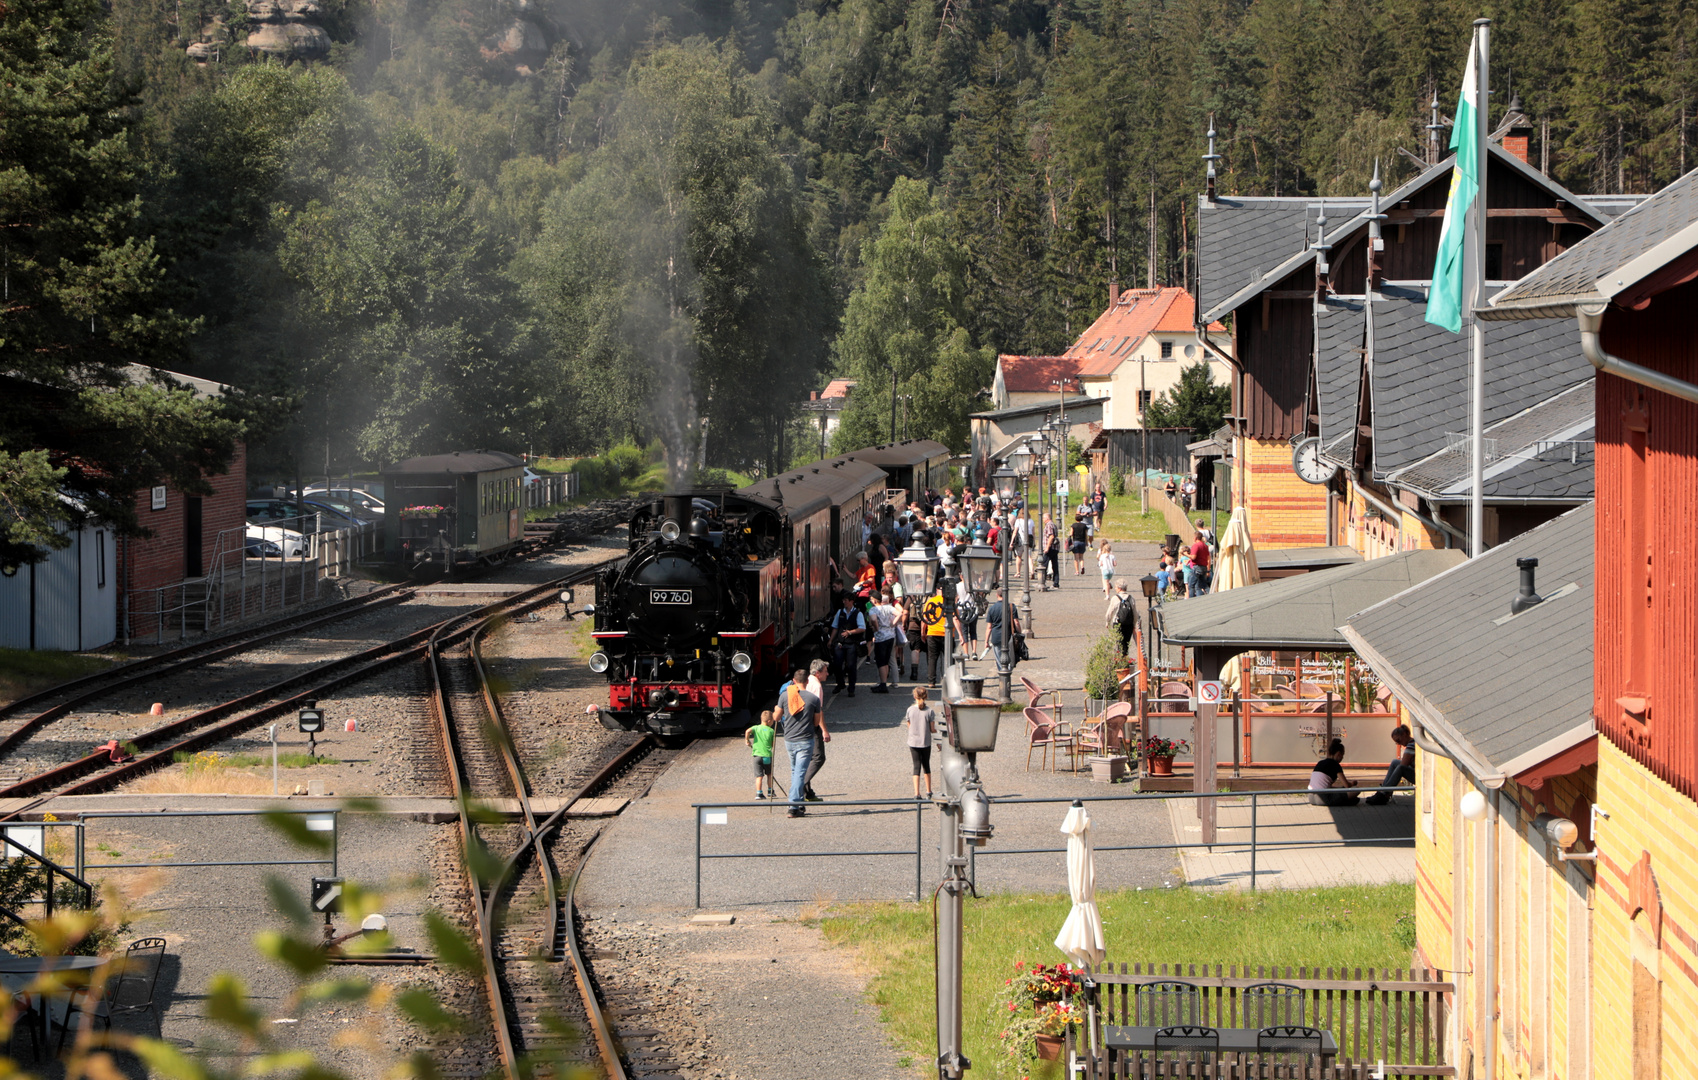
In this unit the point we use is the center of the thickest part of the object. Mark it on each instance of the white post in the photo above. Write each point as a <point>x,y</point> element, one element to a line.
<point>272,731</point>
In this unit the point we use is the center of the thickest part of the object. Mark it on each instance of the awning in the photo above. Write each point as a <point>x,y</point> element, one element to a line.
<point>1302,612</point>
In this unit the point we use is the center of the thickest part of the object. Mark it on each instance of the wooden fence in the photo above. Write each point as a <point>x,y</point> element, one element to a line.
<point>1390,1016</point>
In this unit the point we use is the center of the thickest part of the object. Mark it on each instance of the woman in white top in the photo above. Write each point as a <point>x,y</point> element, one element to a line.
<point>1105,563</point>
<point>920,721</point>
<point>886,617</point>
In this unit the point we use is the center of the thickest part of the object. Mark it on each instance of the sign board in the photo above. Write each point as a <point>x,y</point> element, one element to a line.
<point>715,815</point>
<point>158,502</point>
<point>312,720</point>
<point>1209,692</point>
<point>26,836</point>
<point>1061,487</point>
<point>320,822</point>
<point>327,894</point>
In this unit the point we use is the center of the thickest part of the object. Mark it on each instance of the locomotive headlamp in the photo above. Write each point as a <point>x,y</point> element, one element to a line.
<point>669,531</point>
<point>599,662</point>
<point>741,662</point>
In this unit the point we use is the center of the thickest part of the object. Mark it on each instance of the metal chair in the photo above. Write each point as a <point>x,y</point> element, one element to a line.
<point>1268,1003</point>
<point>1187,1037</point>
<point>1166,1002</point>
<point>129,988</point>
<point>1295,1040</point>
<point>1047,733</point>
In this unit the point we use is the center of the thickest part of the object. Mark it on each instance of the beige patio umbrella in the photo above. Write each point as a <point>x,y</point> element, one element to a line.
<point>1081,936</point>
<point>1236,568</point>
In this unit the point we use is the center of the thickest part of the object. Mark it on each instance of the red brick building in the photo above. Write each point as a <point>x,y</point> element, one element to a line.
<point>193,536</point>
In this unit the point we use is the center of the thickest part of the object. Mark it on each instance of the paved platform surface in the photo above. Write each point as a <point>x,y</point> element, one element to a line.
<point>645,862</point>
<point>1300,846</point>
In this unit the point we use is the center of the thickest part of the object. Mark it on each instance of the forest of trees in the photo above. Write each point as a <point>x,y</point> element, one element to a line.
<point>678,217</point>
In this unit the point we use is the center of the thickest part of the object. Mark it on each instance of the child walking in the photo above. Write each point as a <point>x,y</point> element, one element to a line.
<point>759,741</point>
<point>1105,563</point>
<point>920,720</point>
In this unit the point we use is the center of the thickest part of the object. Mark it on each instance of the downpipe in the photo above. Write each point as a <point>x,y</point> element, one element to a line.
<point>1591,319</point>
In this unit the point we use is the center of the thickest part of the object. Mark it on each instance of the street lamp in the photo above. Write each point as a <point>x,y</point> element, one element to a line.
<point>1006,479</point>
<point>978,563</point>
<point>917,567</point>
<point>1148,581</point>
<point>1023,460</point>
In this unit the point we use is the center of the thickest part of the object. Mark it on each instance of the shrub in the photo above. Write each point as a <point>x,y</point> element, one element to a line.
<point>1117,482</point>
<point>627,460</point>
<point>1101,662</point>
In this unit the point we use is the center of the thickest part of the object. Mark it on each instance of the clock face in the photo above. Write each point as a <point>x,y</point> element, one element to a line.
<point>1306,462</point>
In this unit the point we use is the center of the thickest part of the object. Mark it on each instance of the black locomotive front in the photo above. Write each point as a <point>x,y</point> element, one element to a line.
<point>676,623</point>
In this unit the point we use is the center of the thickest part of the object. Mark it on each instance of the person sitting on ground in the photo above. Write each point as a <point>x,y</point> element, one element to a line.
<point>920,720</point>
<point>759,741</point>
<point>1328,786</point>
<point>1402,767</point>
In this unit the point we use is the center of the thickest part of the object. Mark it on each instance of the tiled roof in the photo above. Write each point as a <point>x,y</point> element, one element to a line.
<point>1338,367</point>
<point>1505,694</point>
<point>1035,374</point>
<point>1419,389</point>
<point>838,388</point>
<point>1544,452</point>
<point>1241,240</point>
<point>1572,277</point>
<point>1119,331</point>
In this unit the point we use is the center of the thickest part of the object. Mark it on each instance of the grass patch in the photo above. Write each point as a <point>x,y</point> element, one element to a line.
<point>1123,521</point>
<point>209,761</point>
<point>23,671</point>
<point>1354,926</point>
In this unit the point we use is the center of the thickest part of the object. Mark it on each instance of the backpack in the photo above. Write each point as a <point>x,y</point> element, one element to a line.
<point>1128,614</point>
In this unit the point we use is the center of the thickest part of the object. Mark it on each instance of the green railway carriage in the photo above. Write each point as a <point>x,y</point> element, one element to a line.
<point>451,511</point>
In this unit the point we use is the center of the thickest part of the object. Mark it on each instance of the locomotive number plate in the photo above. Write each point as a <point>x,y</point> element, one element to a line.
<point>671,596</point>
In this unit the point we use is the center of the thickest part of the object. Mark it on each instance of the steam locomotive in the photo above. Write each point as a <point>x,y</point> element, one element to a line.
<point>723,593</point>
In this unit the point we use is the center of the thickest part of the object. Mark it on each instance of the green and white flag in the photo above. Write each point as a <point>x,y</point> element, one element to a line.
<point>1445,300</point>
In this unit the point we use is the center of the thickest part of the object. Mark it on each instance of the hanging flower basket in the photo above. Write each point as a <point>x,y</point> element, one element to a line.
<point>424,511</point>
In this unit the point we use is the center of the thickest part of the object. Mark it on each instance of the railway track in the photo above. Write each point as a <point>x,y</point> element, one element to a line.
<point>538,982</point>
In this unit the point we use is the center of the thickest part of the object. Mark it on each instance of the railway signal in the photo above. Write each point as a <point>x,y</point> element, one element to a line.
<point>311,722</point>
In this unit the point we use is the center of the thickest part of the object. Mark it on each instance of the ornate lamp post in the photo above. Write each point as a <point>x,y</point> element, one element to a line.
<point>1148,581</point>
<point>1007,481</point>
<point>1023,460</point>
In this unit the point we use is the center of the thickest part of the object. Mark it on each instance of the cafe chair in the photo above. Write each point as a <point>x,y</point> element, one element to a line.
<point>129,988</point>
<point>1106,733</point>
<point>1294,1039</point>
<point>1042,731</point>
<point>1035,696</point>
<point>1268,1003</point>
<point>1166,1002</point>
<point>1187,1037</point>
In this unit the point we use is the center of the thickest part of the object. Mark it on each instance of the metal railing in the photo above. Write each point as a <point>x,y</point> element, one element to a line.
<point>318,820</point>
<point>719,814</point>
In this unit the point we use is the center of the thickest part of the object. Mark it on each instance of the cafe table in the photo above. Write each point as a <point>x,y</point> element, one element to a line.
<point>19,973</point>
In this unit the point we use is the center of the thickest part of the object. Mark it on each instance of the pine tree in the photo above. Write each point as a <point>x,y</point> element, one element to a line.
<point>1193,402</point>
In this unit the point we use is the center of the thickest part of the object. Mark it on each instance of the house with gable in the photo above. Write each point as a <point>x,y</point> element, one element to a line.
<point>1554,700</point>
<point>1135,350</point>
<point>1351,408</point>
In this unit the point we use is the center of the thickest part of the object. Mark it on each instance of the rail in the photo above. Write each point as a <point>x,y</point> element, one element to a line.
<point>718,813</point>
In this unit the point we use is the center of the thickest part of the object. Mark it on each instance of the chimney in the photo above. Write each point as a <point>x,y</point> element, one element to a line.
<point>813,395</point>
<point>1113,292</point>
<point>1518,130</point>
<point>1211,157</point>
<point>1526,598</point>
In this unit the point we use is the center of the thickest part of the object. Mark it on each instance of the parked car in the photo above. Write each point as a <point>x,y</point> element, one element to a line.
<point>346,508</point>
<point>532,476</point>
<point>364,502</point>
<point>273,542</point>
<point>300,515</point>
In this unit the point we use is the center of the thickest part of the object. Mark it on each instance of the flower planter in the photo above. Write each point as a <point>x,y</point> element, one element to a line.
<point>1108,769</point>
<point>1049,1047</point>
<point>1161,765</point>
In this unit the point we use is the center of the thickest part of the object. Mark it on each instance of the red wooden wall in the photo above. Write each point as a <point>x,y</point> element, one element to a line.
<point>1647,549</point>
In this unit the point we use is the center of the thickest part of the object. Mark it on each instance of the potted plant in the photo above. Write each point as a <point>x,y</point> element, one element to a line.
<point>1159,752</point>
<point>1036,1016</point>
<point>1101,664</point>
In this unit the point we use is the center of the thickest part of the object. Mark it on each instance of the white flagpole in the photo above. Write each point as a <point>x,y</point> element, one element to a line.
<point>1476,295</point>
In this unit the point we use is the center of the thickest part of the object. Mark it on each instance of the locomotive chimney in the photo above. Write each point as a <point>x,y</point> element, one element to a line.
<point>678,509</point>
